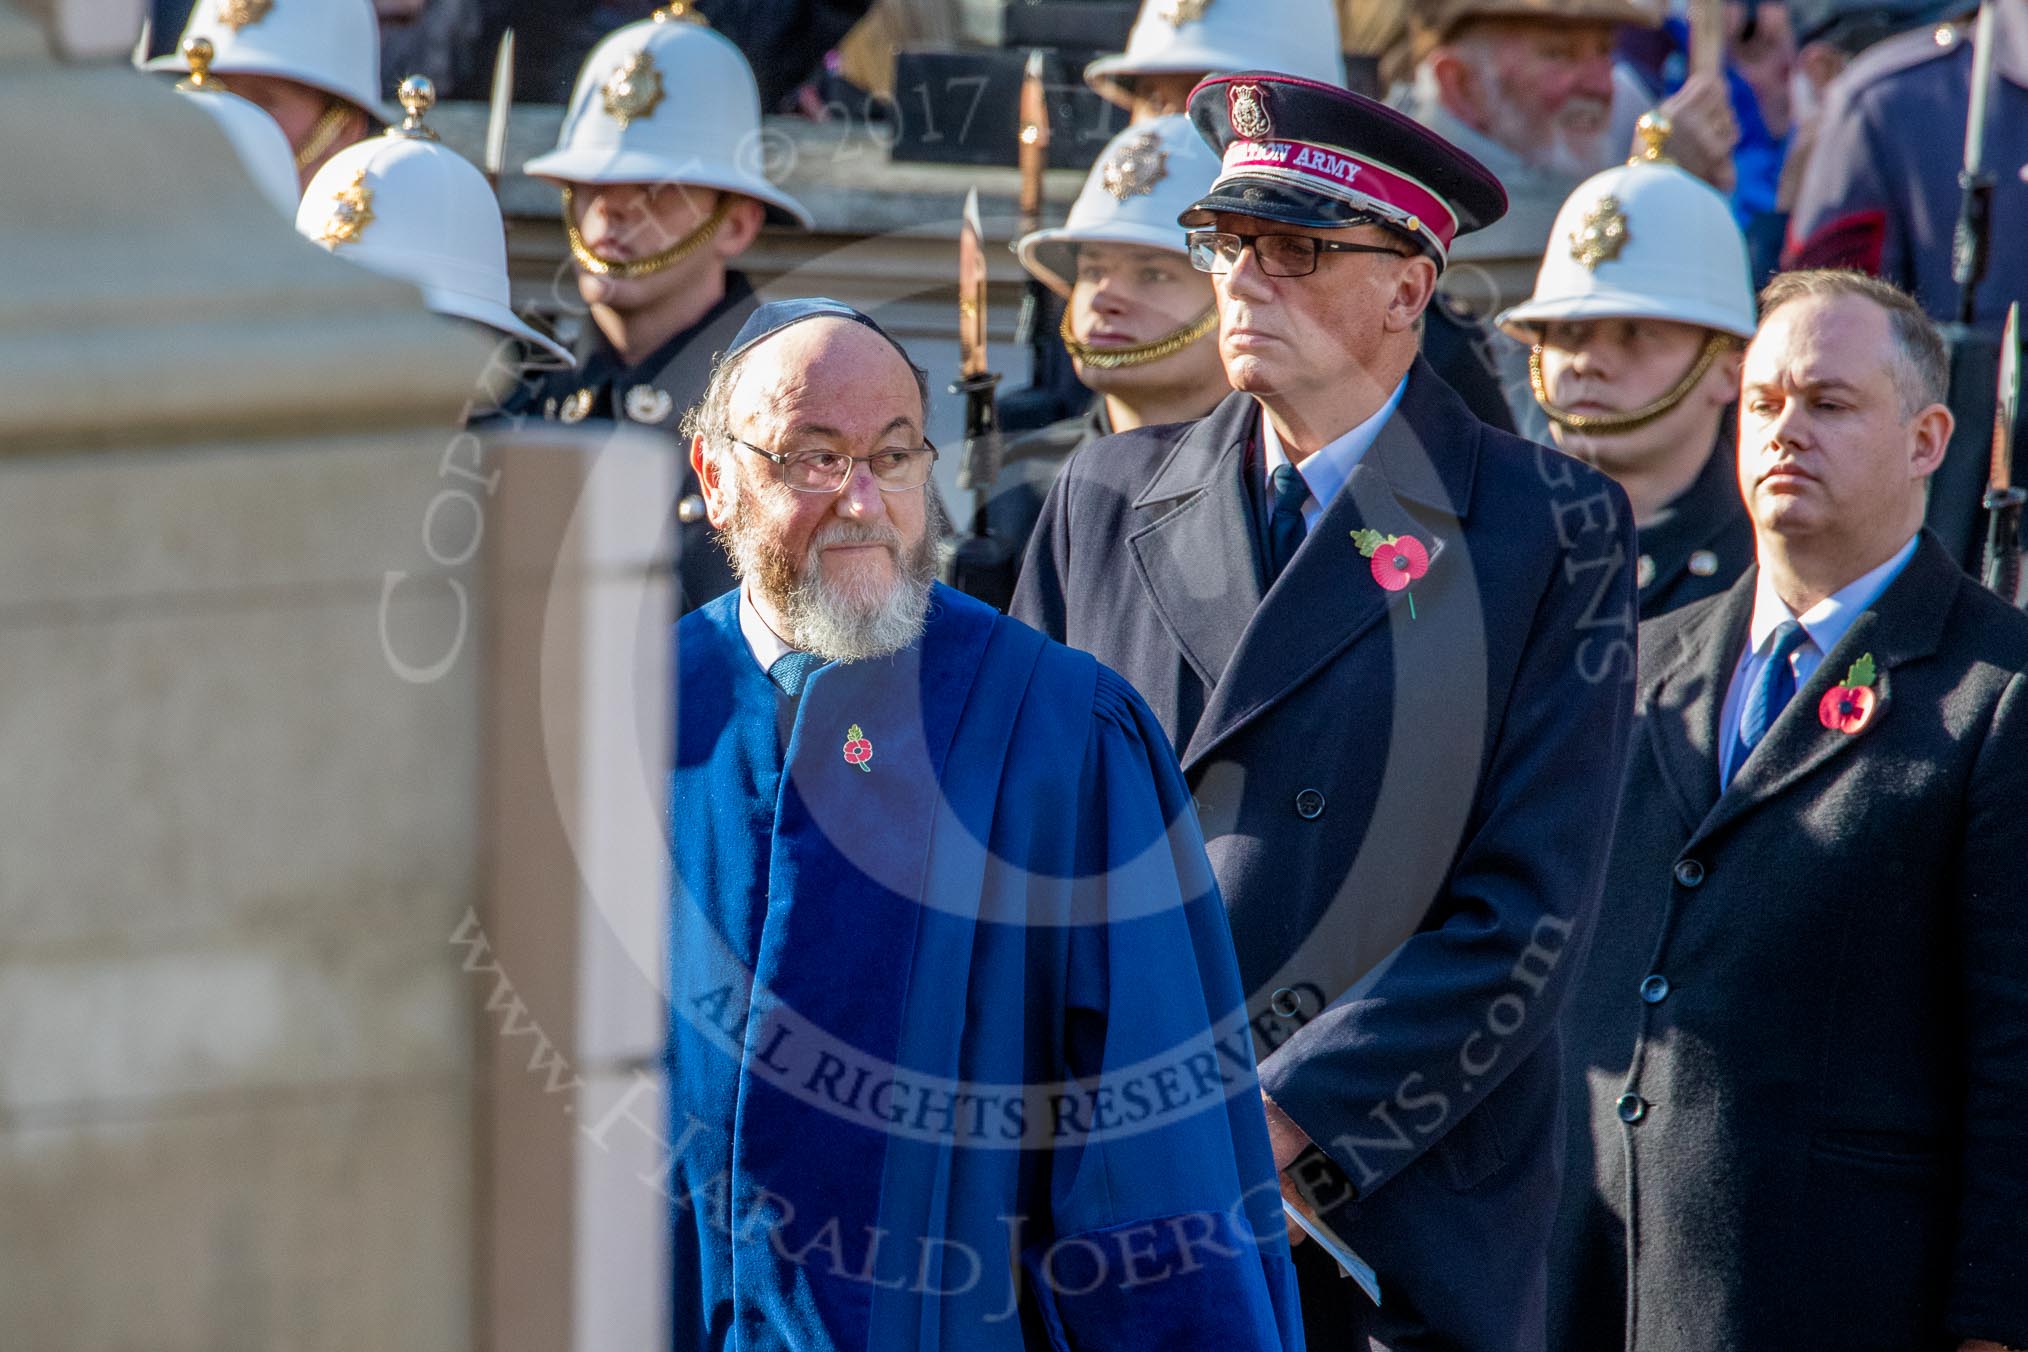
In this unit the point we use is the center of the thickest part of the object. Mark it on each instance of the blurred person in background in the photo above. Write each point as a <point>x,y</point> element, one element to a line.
<point>662,192</point>
<point>1176,43</point>
<point>1640,314</point>
<point>312,65</point>
<point>1880,190</point>
<point>1140,323</point>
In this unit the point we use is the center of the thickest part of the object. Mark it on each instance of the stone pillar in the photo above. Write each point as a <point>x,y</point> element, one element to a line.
<point>236,1043</point>
<point>572,1099</point>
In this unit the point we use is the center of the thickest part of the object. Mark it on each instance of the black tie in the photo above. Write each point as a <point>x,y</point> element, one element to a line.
<point>791,672</point>
<point>1285,520</point>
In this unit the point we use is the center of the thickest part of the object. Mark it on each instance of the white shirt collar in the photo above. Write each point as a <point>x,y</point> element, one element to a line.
<point>1327,470</point>
<point>1826,621</point>
<point>767,646</point>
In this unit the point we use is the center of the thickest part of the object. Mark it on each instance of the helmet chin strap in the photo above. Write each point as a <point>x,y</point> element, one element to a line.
<point>633,269</point>
<point>1140,354</point>
<point>323,133</point>
<point>1632,419</point>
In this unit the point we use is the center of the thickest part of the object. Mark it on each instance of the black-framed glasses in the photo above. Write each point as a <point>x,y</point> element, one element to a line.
<point>1218,251</point>
<point>894,471</point>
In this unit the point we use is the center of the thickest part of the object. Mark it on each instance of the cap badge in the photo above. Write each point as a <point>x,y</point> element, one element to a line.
<point>351,213</point>
<point>1601,235</point>
<point>1136,167</point>
<point>238,14</point>
<point>1247,107</point>
<point>646,404</point>
<point>1179,12</point>
<point>634,89</point>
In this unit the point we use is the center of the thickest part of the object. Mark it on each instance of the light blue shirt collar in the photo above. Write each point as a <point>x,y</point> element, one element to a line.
<point>1327,470</point>
<point>1824,623</point>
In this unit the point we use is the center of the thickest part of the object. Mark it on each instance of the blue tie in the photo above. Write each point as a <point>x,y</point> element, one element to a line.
<point>1285,521</point>
<point>1771,692</point>
<point>791,672</point>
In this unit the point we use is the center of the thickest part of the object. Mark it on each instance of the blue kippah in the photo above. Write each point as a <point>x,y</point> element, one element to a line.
<point>776,315</point>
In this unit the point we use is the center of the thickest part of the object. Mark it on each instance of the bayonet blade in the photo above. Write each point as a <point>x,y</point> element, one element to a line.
<point>2008,403</point>
<point>971,292</point>
<point>502,105</point>
<point>1034,140</point>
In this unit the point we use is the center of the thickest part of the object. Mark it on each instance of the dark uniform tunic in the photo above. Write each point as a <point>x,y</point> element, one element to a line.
<point>1030,471</point>
<point>655,392</point>
<point>1699,544</point>
<point>1881,191</point>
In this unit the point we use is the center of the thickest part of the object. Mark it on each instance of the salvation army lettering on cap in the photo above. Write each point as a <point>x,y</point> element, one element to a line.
<point>1309,154</point>
<point>1357,181</point>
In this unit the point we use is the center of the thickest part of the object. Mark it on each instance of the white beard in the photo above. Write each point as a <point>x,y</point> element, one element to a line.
<point>825,618</point>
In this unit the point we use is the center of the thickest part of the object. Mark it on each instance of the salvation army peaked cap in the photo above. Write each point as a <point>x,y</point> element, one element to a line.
<point>1309,154</point>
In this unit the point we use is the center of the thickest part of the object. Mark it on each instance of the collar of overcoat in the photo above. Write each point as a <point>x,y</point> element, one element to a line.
<point>1683,700</point>
<point>1199,552</point>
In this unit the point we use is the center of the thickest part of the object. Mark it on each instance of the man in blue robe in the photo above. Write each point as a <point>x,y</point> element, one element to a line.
<point>958,1049</point>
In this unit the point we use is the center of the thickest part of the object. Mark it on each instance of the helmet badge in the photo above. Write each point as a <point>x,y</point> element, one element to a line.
<point>238,14</point>
<point>1136,167</point>
<point>351,213</point>
<point>649,404</point>
<point>634,89</point>
<point>1176,13</point>
<point>1247,107</point>
<point>1601,235</point>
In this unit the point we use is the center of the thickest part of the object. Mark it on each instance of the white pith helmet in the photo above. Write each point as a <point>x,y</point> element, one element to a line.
<point>667,100</point>
<point>330,45</point>
<point>1145,178</point>
<point>406,206</point>
<point>1643,241</point>
<point>256,137</point>
<point>1183,37</point>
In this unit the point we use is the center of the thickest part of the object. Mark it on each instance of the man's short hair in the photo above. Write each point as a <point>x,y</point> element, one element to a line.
<point>1923,369</point>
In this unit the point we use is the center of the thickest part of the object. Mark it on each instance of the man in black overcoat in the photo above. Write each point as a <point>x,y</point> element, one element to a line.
<point>1394,648</point>
<point>1800,1044</point>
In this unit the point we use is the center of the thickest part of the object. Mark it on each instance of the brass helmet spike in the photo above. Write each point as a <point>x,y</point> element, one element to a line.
<point>679,11</point>
<point>417,97</point>
<point>1654,129</point>
<point>199,53</point>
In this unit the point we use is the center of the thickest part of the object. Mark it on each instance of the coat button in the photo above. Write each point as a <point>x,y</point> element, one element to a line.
<point>1309,805</point>
<point>1632,1108</point>
<point>1689,872</point>
<point>1286,1003</point>
<point>1655,989</point>
<point>690,510</point>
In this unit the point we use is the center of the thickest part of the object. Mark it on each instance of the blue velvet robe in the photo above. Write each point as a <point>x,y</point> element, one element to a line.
<point>958,1053</point>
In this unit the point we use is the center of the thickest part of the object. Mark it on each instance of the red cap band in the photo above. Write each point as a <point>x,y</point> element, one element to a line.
<point>1349,178</point>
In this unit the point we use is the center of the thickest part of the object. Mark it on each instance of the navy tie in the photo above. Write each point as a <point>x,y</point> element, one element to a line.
<point>1285,520</point>
<point>791,672</point>
<point>1771,691</point>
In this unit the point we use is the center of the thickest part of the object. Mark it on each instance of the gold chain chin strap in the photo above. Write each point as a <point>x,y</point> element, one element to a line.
<point>653,263</point>
<point>1633,419</point>
<point>1140,354</point>
<point>318,143</point>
